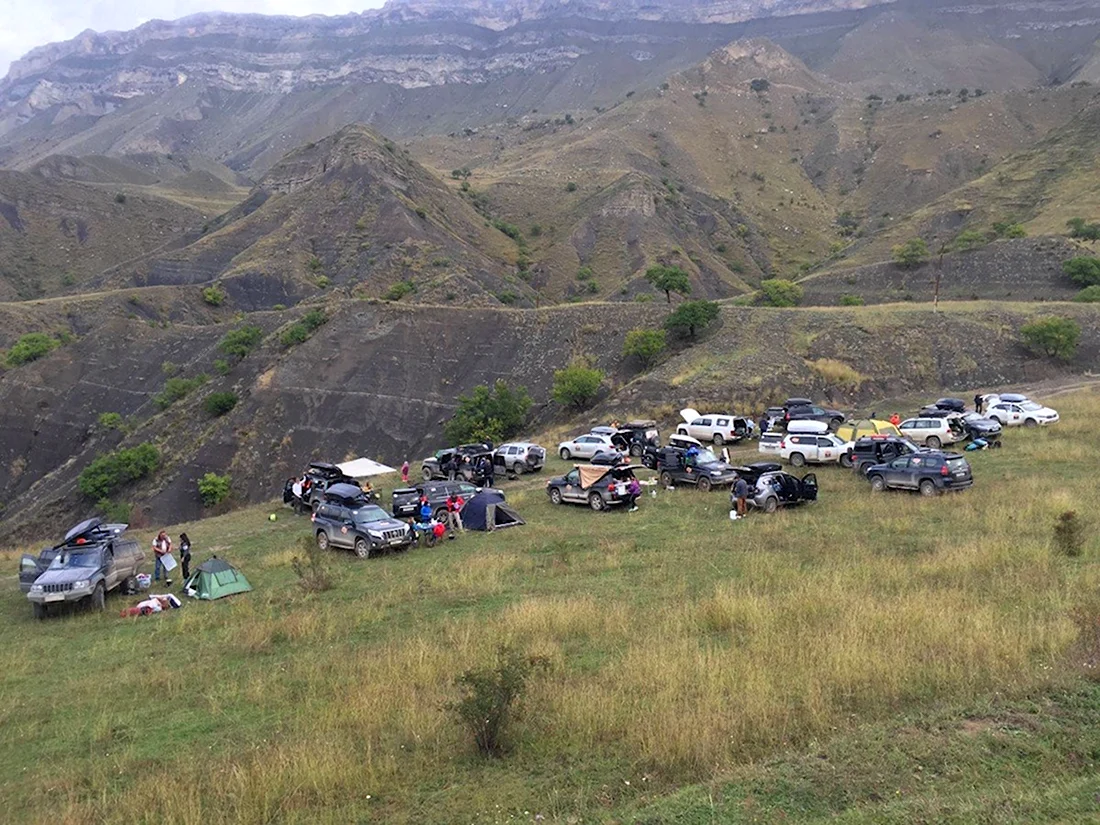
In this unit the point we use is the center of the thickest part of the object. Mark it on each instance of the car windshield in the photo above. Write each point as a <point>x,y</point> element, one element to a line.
<point>706,457</point>
<point>77,558</point>
<point>1031,406</point>
<point>365,515</point>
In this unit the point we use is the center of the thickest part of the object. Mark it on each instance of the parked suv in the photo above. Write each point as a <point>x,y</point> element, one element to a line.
<point>1018,410</point>
<point>406,500</point>
<point>703,469</point>
<point>360,526</point>
<point>304,492</point>
<point>465,458</point>
<point>870,450</point>
<point>718,428</point>
<point>770,488</point>
<point>93,559</point>
<point>933,432</point>
<point>930,471</point>
<point>519,457</point>
<point>633,437</point>
<point>598,487</point>
<point>803,409</point>
<point>821,448</point>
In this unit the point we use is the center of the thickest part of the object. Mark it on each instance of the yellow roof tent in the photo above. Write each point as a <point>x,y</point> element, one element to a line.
<point>854,430</point>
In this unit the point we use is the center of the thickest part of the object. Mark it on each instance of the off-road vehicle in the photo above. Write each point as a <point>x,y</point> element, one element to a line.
<point>930,472</point>
<point>303,492</point>
<point>464,461</point>
<point>770,488</point>
<point>519,457</point>
<point>700,468</point>
<point>633,437</point>
<point>406,500</point>
<point>365,528</point>
<point>718,428</point>
<point>93,559</point>
<point>598,487</point>
<point>879,449</point>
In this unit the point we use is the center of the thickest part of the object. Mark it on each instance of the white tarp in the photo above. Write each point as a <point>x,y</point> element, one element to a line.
<point>364,468</point>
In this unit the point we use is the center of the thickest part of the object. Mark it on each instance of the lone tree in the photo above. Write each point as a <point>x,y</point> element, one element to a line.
<point>911,253</point>
<point>669,279</point>
<point>1053,337</point>
<point>690,317</point>
<point>576,385</point>
<point>1084,271</point>
<point>646,344</point>
<point>489,414</point>
<point>780,292</point>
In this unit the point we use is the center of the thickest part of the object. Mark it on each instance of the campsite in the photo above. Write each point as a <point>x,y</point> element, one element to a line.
<point>680,648</point>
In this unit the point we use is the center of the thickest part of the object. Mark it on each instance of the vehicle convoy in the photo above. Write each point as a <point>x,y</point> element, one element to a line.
<point>586,446</point>
<point>598,487</point>
<point>718,428</point>
<point>1014,410</point>
<point>363,527</point>
<point>930,472</point>
<point>93,559</point>
<point>870,450</point>
<point>699,468</point>
<point>770,488</point>
<point>463,461</point>
<point>810,442</point>
<point>933,432</point>
<point>519,457</point>
<point>406,500</point>
<point>305,491</point>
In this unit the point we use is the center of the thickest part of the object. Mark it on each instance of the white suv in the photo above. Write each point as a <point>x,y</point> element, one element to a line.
<point>715,427</point>
<point>933,432</point>
<point>1016,411</point>
<point>815,448</point>
<point>585,446</point>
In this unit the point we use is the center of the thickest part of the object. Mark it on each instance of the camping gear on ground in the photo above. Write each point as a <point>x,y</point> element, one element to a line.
<point>487,510</point>
<point>364,468</point>
<point>153,604</point>
<point>144,581</point>
<point>214,579</point>
<point>855,430</point>
<point>982,444</point>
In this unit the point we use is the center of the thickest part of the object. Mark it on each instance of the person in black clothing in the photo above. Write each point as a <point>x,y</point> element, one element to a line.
<point>185,556</point>
<point>487,471</point>
<point>763,423</point>
<point>978,403</point>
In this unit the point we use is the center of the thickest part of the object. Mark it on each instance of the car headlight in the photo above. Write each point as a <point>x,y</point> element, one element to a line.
<point>716,473</point>
<point>37,588</point>
<point>80,585</point>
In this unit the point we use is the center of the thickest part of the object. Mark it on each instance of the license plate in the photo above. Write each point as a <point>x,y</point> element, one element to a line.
<point>55,597</point>
<point>960,475</point>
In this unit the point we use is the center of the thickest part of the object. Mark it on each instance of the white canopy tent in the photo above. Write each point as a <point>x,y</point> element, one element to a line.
<point>364,468</point>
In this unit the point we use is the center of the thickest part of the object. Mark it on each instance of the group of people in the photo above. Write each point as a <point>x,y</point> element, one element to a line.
<point>426,523</point>
<point>162,547</point>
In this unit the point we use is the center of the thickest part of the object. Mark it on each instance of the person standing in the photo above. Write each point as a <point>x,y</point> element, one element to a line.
<point>978,403</point>
<point>741,496</point>
<point>162,546</point>
<point>763,423</point>
<point>405,472</point>
<point>487,471</point>
<point>895,419</point>
<point>634,490</point>
<point>455,504</point>
<point>185,556</point>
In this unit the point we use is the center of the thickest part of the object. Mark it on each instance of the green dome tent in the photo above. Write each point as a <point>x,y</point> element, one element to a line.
<point>215,578</point>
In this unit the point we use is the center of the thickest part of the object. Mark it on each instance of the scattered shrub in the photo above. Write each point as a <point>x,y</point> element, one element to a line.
<point>491,698</point>
<point>576,385</point>
<point>1088,295</point>
<point>214,489</point>
<point>1069,534</point>
<point>1004,229</point>
<point>221,366</point>
<point>851,300</point>
<point>302,329</point>
<point>968,240</point>
<point>111,472</point>
<point>214,296</point>
<point>1084,271</point>
<point>507,297</point>
<point>314,264</point>
<point>509,229</point>
<point>669,279</point>
<point>323,281</point>
<point>111,421</point>
<point>760,85</point>
<point>1085,231</point>
<point>311,569</point>
<point>240,342</point>
<point>117,512</point>
<point>1052,337</point>
<point>421,212</point>
<point>176,389</point>
<point>399,290</point>
<point>169,368</point>
<point>691,317</point>
<point>486,414</point>
<point>780,292</point>
<point>219,403</point>
<point>30,347</point>
<point>120,198</point>
<point>911,253</point>
<point>645,344</point>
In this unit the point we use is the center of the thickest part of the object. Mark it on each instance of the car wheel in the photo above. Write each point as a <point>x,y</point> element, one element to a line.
<point>99,597</point>
<point>666,479</point>
<point>440,514</point>
<point>771,504</point>
<point>703,484</point>
<point>362,548</point>
<point>878,484</point>
<point>999,421</point>
<point>798,460</point>
<point>565,454</point>
<point>718,440</point>
<point>322,540</point>
<point>39,610</point>
<point>1031,422</point>
<point>636,450</point>
<point>846,461</point>
<point>595,501</point>
<point>933,441</point>
<point>426,473</point>
<point>518,468</point>
<point>928,488</point>
<point>555,495</point>
<point>834,425</point>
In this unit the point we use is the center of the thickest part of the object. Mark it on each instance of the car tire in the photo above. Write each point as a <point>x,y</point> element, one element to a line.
<point>362,548</point>
<point>666,479</point>
<point>518,468</point>
<point>129,585</point>
<point>928,488</point>
<point>322,540</point>
<point>565,454</point>
<point>555,496</point>
<point>771,504</point>
<point>636,450</point>
<point>595,501</point>
<point>718,440</point>
<point>703,484</point>
<point>99,597</point>
<point>426,473</point>
<point>39,610</point>
<point>835,423</point>
<point>798,460</point>
<point>846,461</point>
<point>878,484</point>
<point>933,441</point>
<point>999,421</point>
<point>1031,422</point>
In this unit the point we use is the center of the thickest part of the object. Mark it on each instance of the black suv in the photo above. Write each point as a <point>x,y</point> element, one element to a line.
<point>633,437</point>
<point>705,471</point>
<point>465,459</point>
<point>943,407</point>
<point>360,526</point>
<point>321,475</point>
<point>406,500</point>
<point>803,409</point>
<point>931,472</point>
<point>598,487</point>
<point>878,449</point>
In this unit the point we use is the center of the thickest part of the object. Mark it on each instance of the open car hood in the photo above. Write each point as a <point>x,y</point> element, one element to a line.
<point>689,415</point>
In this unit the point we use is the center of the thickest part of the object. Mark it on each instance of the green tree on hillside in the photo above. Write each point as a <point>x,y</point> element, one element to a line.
<point>1053,337</point>
<point>1088,295</point>
<point>1084,270</point>
<point>645,344</point>
<point>911,253</point>
<point>781,293</point>
<point>30,347</point>
<point>691,317</point>
<point>669,279</point>
<point>486,414</point>
<point>967,240</point>
<point>576,385</point>
<point>1078,228</point>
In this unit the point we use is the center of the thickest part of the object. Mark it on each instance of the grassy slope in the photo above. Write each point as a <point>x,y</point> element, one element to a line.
<point>684,649</point>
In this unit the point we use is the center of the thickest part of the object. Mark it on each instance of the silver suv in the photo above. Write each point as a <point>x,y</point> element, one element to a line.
<point>519,457</point>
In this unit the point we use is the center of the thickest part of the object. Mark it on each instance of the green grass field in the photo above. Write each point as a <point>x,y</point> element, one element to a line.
<point>867,658</point>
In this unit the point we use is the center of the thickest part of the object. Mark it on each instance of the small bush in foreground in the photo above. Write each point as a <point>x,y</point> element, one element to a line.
<point>30,347</point>
<point>399,290</point>
<point>1052,337</point>
<point>911,253</point>
<point>851,300</point>
<point>692,317</point>
<point>1069,534</point>
<point>113,471</point>
<point>110,421</point>
<point>492,696</point>
<point>1083,270</point>
<point>214,489</point>
<point>219,403</point>
<point>310,568</point>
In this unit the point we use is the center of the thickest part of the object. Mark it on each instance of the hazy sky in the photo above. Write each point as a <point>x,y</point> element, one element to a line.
<point>24,25</point>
